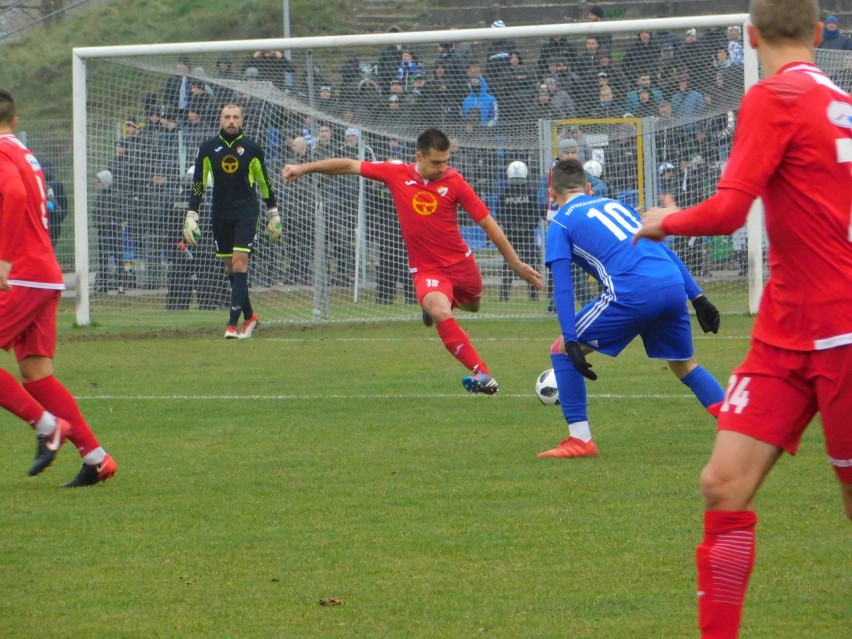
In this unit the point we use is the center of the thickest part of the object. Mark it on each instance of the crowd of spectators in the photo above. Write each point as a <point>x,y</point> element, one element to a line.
<point>485,95</point>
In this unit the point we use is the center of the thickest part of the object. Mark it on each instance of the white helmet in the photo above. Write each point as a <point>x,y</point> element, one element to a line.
<point>593,167</point>
<point>517,170</point>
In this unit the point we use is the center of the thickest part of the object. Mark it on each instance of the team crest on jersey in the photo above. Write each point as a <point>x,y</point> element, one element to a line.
<point>840,113</point>
<point>442,190</point>
<point>240,150</point>
<point>424,203</point>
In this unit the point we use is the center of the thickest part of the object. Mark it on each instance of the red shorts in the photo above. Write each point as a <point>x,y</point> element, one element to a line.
<point>28,321</point>
<point>461,282</point>
<point>775,393</point>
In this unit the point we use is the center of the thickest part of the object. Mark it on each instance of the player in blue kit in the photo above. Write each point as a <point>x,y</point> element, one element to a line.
<point>644,289</point>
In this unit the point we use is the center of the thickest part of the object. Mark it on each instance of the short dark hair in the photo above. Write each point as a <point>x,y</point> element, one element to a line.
<point>432,139</point>
<point>568,174</point>
<point>7,107</point>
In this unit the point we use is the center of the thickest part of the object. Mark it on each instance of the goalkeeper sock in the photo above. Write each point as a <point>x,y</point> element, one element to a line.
<point>15,399</point>
<point>248,311</point>
<point>725,559</point>
<point>458,343</point>
<point>239,296</point>
<point>50,392</point>
<point>704,385</point>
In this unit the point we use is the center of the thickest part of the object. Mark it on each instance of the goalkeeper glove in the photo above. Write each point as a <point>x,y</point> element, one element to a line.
<point>190,228</point>
<point>273,225</point>
<point>575,353</point>
<point>707,314</point>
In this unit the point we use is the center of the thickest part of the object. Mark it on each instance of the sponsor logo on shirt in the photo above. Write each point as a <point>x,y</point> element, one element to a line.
<point>840,113</point>
<point>410,182</point>
<point>230,164</point>
<point>424,203</point>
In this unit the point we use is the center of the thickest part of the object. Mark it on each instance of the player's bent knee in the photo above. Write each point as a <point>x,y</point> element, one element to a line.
<point>722,490</point>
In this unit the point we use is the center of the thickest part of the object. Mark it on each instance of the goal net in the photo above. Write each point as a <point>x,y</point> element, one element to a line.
<point>652,113</point>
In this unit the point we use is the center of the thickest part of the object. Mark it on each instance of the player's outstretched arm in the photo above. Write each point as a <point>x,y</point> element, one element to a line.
<point>499,240</point>
<point>331,166</point>
<point>652,224</point>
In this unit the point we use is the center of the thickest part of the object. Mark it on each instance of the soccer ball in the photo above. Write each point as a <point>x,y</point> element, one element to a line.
<point>545,388</point>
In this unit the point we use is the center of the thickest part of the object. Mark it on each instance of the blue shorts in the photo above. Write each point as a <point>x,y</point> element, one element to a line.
<point>659,317</point>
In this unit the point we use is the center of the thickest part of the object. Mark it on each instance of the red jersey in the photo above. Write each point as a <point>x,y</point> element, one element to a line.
<point>427,212</point>
<point>24,240</point>
<point>793,148</point>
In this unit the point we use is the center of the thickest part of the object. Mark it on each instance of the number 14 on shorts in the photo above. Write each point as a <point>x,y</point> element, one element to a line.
<point>736,395</point>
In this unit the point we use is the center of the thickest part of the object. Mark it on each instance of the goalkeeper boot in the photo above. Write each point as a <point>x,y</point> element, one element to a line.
<point>231,332</point>
<point>481,383</point>
<point>572,447</point>
<point>48,445</point>
<point>91,475</point>
<point>248,326</point>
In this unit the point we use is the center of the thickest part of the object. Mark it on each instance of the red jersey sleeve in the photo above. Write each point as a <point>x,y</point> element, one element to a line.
<point>470,201</point>
<point>379,171</point>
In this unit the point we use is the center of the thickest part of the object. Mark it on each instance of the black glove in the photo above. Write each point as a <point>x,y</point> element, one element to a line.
<point>707,314</point>
<point>575,352</point>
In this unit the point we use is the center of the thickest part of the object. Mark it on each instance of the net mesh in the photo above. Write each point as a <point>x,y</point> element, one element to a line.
<point>654,113</point>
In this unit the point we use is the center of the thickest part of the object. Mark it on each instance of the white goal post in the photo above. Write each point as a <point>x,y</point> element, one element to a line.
<point>104,77</point>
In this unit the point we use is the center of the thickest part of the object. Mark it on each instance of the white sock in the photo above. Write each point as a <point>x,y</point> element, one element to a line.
<point>581,431</point>
<point>46,424</point>
<point>94,457</point>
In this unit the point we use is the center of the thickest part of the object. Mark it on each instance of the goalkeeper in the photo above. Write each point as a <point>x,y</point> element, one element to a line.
<point>237,166</point>
<point>644,293</point>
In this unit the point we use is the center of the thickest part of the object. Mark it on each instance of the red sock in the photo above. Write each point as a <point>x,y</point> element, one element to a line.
<point>15,399</point>
<point>458,343</point>
<point>725,559</point>
<point>56,398</point>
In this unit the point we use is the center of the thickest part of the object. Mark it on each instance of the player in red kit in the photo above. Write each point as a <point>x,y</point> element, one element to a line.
<point>30,285</point>
<point>793,148</point>
<point>426,194</point>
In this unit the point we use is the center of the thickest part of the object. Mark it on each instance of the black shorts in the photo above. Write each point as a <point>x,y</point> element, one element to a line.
<point>233,235</point>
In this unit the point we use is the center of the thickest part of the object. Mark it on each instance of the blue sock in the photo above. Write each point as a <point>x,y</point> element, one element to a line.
<point>239,296</point>
<point>704,385</point>
<point>572,389</point>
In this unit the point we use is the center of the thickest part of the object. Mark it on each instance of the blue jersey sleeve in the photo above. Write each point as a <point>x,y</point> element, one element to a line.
<point>689,283</point>
<point>563,298</point>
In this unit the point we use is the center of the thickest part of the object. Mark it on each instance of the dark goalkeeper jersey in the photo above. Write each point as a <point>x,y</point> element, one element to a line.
<point>237,165</point>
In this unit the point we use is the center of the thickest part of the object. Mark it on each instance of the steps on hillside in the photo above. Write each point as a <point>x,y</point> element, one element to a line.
<point>376,16</point>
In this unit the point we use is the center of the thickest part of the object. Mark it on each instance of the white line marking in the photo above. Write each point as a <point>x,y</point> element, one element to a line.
<point>466,397</point>
<point>303,340</point>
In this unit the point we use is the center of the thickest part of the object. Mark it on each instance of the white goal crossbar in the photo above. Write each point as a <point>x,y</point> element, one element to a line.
<point>80,56</point>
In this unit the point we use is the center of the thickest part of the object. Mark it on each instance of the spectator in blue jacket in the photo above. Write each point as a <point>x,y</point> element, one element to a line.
<point>643,81</point>
<point>833,38</point>
<point>687,103</point>
<point>480,100</point>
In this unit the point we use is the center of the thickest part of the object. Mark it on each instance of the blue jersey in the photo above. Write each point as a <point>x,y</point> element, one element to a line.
<point>595,233</point>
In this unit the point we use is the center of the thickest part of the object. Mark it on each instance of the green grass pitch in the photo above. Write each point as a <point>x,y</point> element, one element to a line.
<point>347,463</point>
